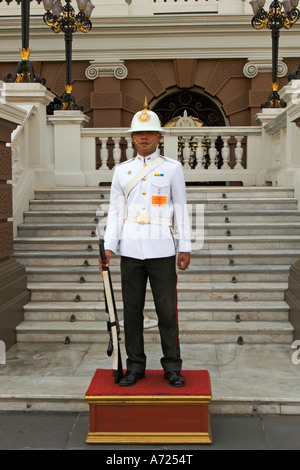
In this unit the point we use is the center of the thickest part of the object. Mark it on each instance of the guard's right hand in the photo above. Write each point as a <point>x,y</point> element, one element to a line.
<point>108,255</point>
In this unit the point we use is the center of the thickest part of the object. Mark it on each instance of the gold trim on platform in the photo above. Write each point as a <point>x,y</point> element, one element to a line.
<point>149,437</point>
<point>108,400</point>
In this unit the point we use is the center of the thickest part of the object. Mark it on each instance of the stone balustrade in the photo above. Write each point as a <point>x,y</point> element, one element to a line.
<point>206,154</point>
<point>62,151</point>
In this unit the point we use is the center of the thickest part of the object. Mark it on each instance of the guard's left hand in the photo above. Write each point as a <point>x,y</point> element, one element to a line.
<point>108,255</point>
<point>183,260</point>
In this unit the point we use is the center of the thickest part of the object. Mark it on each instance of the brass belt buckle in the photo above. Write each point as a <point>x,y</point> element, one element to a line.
<point>142,219</point>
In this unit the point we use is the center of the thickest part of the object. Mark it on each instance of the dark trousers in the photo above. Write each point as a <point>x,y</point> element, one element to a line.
<point>162,276</point>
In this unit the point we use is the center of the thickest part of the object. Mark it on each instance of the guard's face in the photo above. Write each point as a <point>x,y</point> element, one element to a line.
<point>146,141</point>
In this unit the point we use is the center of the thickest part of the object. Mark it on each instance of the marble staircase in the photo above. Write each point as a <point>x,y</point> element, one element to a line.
<point>233,292</point>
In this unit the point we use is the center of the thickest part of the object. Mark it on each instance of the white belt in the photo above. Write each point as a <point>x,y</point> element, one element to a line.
<point>146,219</point>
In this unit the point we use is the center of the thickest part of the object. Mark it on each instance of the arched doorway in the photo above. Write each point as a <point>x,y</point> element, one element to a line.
<point>195,103</point>
<point>203,110</point>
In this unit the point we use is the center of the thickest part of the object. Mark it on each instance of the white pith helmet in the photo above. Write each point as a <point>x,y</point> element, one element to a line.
<point>145,120</point>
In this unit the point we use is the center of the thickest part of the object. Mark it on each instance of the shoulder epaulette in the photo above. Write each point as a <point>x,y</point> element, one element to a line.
<point>126,161</point>
<point>172,160</point>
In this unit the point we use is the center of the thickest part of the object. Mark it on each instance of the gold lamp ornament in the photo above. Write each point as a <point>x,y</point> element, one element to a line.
<point>280,15</point>
<point>64,18</point>
<point>24,71</point>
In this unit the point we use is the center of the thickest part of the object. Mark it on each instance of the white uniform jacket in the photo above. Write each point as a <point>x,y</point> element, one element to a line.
<point>143,222</point>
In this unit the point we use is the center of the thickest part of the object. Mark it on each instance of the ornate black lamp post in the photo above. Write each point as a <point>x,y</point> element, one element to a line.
<point>24,70</point>
<point>280,14</point>
<point>63,18</point>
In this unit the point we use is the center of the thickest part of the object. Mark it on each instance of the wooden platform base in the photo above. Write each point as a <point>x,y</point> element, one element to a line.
<point>151,411</point>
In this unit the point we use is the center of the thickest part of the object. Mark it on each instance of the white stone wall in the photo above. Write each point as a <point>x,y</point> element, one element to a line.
<point>145,7</point>
<point>148,29</point>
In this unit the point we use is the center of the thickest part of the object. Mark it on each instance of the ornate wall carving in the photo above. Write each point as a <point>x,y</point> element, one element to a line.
<point>106,100</point>
<point>256,97</point>
<point>145,70</point>
<point>224,71</point>
<point>238,104</point>
<point>121,86</point>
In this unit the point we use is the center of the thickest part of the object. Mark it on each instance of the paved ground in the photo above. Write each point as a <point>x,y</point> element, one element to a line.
<point>67,431</point>
<point>245,379</point>
<point>261,375</point>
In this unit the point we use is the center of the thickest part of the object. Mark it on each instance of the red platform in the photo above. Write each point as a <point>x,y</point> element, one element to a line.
<point>151,411</point>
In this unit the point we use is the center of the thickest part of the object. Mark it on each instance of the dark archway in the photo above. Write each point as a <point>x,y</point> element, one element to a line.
<point>197,105</point>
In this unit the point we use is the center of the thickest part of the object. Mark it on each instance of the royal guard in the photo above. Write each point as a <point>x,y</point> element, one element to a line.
<point>147,207</point>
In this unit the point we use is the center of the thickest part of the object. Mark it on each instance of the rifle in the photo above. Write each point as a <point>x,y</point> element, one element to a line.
<point>113,326</point>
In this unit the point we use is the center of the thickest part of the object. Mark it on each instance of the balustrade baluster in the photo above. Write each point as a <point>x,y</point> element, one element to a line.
<point>238,151</point>
<point>104,152</point>
<point>225,153</point>
<point>129,149</point>
<point>116,150</point>
<point>186,151</point>
<point>198,151</point>
<point>212,154</point>
<point>199,154</point>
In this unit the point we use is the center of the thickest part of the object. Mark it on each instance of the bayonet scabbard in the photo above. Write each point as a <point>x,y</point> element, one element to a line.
<point>113,327</point>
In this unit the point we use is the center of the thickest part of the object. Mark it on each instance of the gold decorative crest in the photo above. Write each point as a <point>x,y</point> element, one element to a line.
<point>144,116</point>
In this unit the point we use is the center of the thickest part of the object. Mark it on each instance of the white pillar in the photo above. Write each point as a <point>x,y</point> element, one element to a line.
<point>33,97</point>
<point>290,175</point>
<point>265,118</point>
<point>170,146</point>
<point>67,147</point>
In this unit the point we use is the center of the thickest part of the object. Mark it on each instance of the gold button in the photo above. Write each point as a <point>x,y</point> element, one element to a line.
<point>144,193</point>
<point>143,208</point>
<point>144,179</point>
<point>145,164</point>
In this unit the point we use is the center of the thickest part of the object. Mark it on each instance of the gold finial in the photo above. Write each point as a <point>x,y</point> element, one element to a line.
<point>144,116</point>
<point>25,53</point>
<point>275,86</point>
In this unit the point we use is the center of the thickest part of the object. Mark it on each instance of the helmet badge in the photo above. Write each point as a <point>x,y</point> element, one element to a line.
<point>144,116</point>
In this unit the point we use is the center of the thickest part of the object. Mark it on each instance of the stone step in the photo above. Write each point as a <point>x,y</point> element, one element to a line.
<point>192,332</point>
<point>205,257</point>
<point>233,289</point>
<point>192,274</point>
<point>229,216</point>
<point>216,229</point>
<point>188,310</point>
<point>210,242</point>
<point>192,191</point>
<point>213,204</point>
<point>93,291</point>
